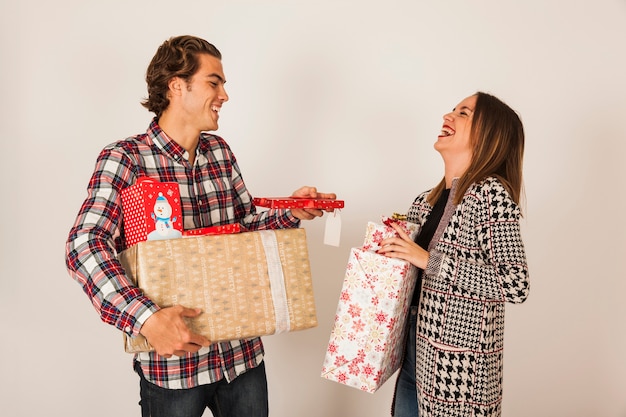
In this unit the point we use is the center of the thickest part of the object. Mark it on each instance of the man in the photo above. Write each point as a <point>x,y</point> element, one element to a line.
<point>186,373</point>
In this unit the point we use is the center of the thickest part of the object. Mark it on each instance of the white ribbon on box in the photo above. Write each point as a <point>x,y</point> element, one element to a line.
<point>277,280</point>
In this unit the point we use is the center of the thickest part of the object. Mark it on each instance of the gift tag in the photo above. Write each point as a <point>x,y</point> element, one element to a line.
<point>332,232</point>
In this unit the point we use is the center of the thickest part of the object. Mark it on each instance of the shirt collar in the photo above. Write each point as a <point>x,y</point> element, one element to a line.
<point>163,142</point>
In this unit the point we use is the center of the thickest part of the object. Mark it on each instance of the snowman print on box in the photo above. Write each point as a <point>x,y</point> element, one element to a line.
<point>163,220</point>
<point>151,211</point>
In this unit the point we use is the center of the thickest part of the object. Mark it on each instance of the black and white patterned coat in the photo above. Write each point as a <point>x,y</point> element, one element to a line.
<point>477,264</point>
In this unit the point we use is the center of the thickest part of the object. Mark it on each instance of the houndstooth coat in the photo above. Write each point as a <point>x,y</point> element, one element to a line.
<point>477,263</point>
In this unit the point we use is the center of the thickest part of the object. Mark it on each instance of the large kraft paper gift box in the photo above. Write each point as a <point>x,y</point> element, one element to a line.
<point>247,284</point>
<point>367,340</point>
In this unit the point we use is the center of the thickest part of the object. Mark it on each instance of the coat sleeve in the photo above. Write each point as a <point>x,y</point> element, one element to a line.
<point>489,262</point>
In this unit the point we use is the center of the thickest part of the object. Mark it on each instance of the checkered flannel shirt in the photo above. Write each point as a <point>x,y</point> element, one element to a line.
<point>212,193</point>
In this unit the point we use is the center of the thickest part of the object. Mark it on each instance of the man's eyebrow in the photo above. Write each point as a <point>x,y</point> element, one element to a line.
<point>219,77</point>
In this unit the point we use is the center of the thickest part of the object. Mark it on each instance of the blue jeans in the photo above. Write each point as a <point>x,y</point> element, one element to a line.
<point>405,397</point>
<point>245,396</point>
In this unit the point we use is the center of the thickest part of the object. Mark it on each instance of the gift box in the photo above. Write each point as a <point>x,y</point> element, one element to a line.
<point>151,211</point>
<point>215,230</point>
<point>298,203</point>
<point>366,342</point>
<point>376,232</point>
<point>247,284</point>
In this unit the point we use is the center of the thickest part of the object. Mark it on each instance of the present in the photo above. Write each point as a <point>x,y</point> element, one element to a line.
<point>215,230</point>
<point>247,284</point>
<point>366,342</point>
<point>151,211</point>
<point>298,203</point>
<point>377,232</point>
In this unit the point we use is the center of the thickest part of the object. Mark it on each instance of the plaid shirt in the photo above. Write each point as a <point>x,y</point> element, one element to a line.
<point>212,193</point>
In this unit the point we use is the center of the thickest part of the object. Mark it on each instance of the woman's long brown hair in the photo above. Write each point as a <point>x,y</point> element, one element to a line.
<point>497,135</point>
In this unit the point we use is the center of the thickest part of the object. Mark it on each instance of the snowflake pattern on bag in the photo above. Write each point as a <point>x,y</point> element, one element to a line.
<point>365,346</point>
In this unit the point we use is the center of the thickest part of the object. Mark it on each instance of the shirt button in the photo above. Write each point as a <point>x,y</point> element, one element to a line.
<point>127,329</point>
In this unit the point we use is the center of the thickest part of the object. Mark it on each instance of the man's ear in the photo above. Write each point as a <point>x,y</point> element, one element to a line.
<point>175,85</point>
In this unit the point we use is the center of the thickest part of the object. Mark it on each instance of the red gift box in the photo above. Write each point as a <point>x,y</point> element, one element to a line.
<point>298,203</point>
<point>151,211</point>
<point>215,230</point>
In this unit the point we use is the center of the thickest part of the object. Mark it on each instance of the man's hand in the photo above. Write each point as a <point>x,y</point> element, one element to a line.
<point>168,333</point>
<point>310,192</point>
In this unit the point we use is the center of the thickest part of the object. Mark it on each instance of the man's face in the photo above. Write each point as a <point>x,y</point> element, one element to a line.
<point>202,97</point>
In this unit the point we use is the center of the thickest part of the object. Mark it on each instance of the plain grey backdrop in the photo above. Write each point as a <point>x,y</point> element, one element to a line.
<point>347,96</point>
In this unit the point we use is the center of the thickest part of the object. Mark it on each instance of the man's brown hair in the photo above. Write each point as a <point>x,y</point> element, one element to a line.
<point>176,57</point>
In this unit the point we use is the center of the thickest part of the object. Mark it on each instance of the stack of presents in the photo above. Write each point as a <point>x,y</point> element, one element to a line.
<point>246,283</point>
<point>366,341</point>
<point>256,283</point>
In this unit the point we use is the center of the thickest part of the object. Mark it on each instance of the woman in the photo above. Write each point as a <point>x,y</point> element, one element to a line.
<point>471,259</point>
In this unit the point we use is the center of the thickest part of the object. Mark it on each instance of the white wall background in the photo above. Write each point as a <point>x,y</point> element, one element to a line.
<point>347,96</point>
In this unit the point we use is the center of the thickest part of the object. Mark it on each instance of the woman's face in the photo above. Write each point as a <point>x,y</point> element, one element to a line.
<point>454,139</point>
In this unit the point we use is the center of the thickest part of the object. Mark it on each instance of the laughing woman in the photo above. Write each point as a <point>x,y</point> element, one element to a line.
<point>471,259</point>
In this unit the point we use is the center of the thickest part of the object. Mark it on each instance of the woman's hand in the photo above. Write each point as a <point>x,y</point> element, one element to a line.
<point>403,247</point>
